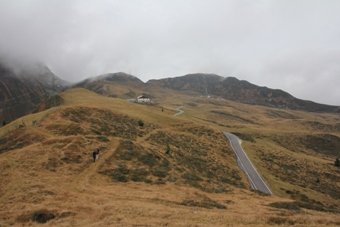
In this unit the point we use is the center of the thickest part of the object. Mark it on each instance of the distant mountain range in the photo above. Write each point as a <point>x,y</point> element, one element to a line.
<point>231,88</point>
<point>25,88</point>
<point>211,85</point>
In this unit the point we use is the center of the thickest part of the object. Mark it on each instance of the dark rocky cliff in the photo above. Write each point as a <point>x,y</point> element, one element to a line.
<point>23,88</point>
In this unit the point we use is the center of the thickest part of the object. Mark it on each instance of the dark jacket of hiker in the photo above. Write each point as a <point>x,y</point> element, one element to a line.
<point>94,155</point>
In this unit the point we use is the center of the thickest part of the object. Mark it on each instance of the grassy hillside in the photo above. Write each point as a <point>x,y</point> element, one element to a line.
<point>295,151</point>
<point>155,169</point>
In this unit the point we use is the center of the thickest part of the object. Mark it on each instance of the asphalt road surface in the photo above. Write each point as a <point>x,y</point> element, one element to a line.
<point>245,165</point>
<point>180,111</point>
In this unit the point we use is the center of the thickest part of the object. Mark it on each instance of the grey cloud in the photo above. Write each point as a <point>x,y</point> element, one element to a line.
<point>290,45</point>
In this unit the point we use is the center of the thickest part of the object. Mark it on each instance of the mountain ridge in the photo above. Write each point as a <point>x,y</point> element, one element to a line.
<point>37,80</point>
<point>229,88</point>
<point>242,91</point>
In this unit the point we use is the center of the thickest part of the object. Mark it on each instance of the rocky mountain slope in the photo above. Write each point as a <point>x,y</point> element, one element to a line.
<point>229,88</point>
<point>116,85</point>
<point>241,91</point>
<point>24,87</point>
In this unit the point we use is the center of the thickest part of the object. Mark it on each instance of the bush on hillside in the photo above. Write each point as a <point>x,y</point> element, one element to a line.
<point>119,174</point>
<point>337,162</point>
<point>286,205</point>
<point>140,123</point>
<point>206,203</point>
<point>148,159</point>
<point>42,216</point>
<point>192,177</point>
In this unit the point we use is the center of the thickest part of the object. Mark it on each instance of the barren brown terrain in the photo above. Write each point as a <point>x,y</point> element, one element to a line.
<point>156,169</point>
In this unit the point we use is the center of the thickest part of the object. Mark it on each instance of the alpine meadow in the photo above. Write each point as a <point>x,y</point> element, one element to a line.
<point>157,168</point>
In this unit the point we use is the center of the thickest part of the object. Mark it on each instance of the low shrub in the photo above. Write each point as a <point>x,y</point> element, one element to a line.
<point>137,178</point>
<point>128,155</point>
<point>140,123</point>
<point>159,173</point>
<point>205,204</point>
<point>119,177</point>
<point>119,174</point>
<point>148,159</point>
<point>286,205</point>
<point>280,221</point>
<point>139,175</point>
<point>191,177</point>
<point>42,216</point>
<point>148,181</point>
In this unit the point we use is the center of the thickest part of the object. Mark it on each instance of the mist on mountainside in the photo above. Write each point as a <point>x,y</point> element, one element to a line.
<point>24,86</point>
<point>27,83</point>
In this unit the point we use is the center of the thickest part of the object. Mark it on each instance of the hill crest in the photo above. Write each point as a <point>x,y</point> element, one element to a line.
<point>231,88</point>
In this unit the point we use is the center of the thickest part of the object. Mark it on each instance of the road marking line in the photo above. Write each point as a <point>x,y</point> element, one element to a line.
<point>230,137</point>
<point>256,171</point>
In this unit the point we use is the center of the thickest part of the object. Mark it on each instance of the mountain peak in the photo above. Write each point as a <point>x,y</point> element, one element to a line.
<point>119,77</point>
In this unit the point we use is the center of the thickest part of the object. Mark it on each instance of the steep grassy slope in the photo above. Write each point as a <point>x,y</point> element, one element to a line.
<point>155,169</point>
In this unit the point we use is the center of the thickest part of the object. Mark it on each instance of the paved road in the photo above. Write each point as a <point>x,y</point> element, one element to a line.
<point>244,163</point>
<point>180,111</point>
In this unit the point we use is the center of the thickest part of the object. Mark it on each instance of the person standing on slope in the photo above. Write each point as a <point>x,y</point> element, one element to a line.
<point>94,155</point>
<point>97,153</point>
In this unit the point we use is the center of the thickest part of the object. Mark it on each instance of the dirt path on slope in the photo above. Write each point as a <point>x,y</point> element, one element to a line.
<point>83,180</point>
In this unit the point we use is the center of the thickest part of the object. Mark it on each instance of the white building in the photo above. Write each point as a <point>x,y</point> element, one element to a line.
<point>143,99</point>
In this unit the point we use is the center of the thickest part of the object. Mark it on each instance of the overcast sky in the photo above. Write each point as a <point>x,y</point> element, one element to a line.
<point>293,45</point>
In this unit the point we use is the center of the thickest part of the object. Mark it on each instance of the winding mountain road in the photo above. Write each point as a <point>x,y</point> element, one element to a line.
<point>180,111</point>
<point>245,165</point>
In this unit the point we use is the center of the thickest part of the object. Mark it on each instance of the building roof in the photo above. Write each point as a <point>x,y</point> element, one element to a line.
<point>142,97</point>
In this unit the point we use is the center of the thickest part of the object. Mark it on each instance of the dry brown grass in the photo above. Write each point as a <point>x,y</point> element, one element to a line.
<point>47,170</point>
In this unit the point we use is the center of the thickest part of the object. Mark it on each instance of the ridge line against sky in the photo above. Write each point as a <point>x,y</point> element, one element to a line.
<point>289,45</point>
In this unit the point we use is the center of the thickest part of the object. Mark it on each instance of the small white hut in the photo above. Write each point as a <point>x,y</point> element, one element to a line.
<point>143,99</point>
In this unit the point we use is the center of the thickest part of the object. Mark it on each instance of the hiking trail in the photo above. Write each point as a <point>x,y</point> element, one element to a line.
<point>83,179</point>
